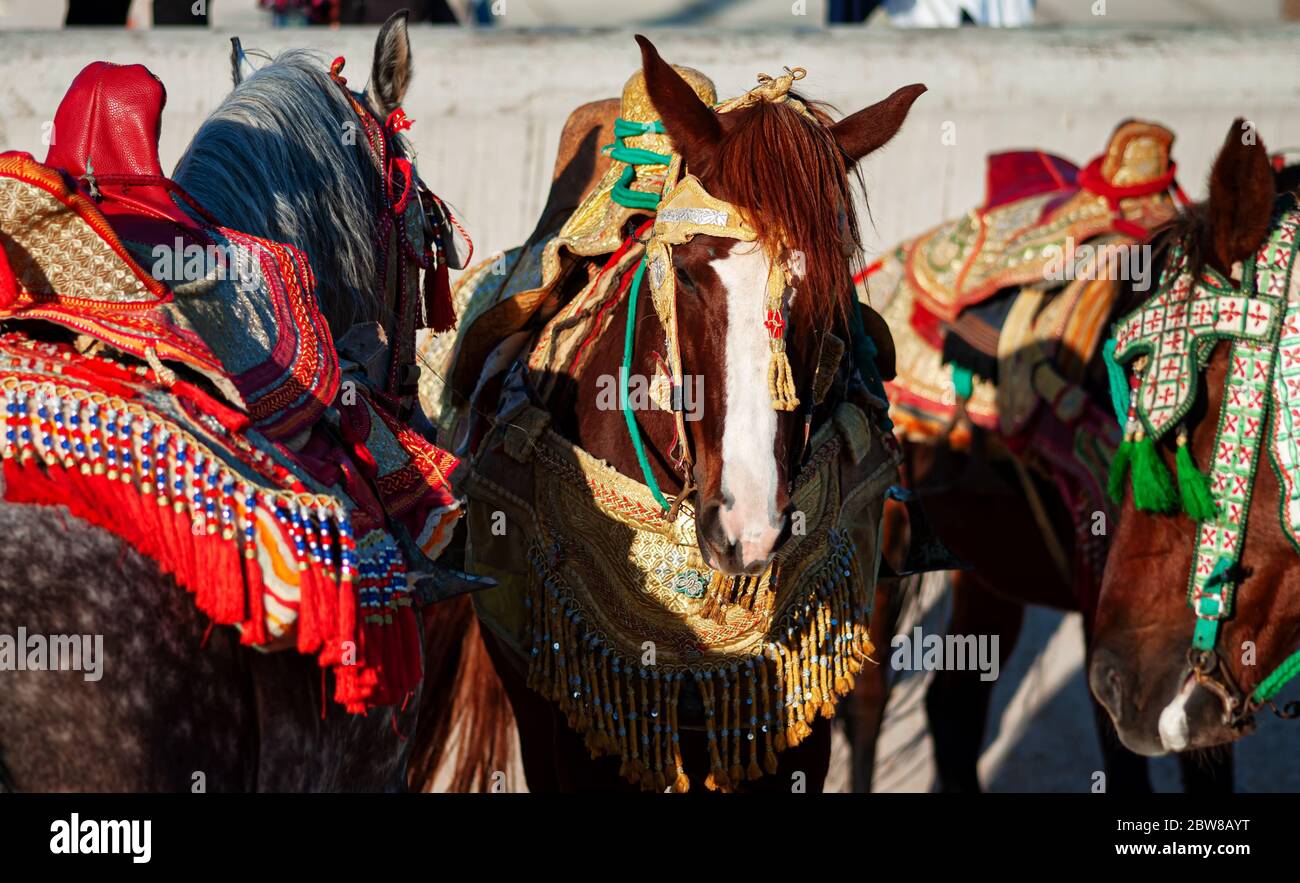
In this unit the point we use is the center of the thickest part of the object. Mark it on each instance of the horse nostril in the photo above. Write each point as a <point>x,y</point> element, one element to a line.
<point>1107,684</point>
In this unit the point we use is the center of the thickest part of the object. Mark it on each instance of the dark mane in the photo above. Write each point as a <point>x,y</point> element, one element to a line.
<point>1189,226</point>
<point>789,174</point>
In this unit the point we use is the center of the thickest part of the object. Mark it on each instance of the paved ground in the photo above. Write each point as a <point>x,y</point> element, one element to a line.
<point>1041,735</point>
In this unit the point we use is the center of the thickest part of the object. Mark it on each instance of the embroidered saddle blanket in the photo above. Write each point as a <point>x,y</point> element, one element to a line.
<point>207,421</point>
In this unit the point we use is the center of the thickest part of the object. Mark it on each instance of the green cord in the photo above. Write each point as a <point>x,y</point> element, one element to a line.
<point>623,193</point>
<point>1272,684</point>
<point>629,336</point>
<point>625,196</point>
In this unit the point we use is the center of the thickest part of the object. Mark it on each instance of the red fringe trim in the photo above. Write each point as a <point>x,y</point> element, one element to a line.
<point>228,587</point>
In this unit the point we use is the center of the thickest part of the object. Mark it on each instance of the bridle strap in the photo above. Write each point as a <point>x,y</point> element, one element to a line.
<point>633,431</point>
<point>399,188</point>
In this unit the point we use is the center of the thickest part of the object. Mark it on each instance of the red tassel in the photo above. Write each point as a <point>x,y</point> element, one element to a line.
<point>437,299</point>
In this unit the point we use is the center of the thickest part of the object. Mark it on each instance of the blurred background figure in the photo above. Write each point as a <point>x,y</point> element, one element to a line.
<point>936,13</point>
<point>353,12</point>
<point>117,12</point>
<point>97,12</point>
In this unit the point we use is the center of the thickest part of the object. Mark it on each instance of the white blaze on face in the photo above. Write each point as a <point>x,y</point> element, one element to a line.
<point>749,514</point>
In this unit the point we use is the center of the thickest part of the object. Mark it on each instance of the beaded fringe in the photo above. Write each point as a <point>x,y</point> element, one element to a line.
<point>161,489</point>
<point>754,706</point>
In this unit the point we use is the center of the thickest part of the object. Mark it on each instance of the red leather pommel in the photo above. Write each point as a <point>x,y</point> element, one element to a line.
<point>108,124</point>
<point>112,115</point>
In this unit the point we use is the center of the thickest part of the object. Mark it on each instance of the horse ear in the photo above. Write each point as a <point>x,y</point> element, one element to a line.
<point>873,126</point>
<point>392,69</point>
<point>691,123</point>
<point>240,69</point>
<point>1241,196</point>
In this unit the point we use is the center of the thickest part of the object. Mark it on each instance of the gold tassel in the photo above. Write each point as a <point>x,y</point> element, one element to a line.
<point>704,681</point>
<point>639,764</point>
<point>781,719</point>
<point>658,718</point>
<point>810,697</point>
<point>620,715</point>
<point>682,784</point>
<point>769,755</point>
<point>754,772</point>
<point>780,378</point>
<point>737,772</point>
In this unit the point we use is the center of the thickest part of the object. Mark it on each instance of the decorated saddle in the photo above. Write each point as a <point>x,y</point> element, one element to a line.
<point>997,315</point>
<point>174,381</point>
<point>607,563</point>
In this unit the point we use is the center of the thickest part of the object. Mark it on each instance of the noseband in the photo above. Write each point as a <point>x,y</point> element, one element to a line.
<point>1167,342</point>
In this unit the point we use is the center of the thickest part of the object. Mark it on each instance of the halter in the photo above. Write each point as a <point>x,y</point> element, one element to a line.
<point>1167,341</point>
<point>683,210</point>
<point>418,224</point>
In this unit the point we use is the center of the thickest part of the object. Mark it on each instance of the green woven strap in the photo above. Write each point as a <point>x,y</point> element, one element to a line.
<point>629,339</point>
<point>1209,607</point>
<point>1271,685</point>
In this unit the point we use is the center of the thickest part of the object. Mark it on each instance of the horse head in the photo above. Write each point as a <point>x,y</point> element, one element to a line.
<point>292,155</point>
<point>1171,678</point>
<point>754,304</point>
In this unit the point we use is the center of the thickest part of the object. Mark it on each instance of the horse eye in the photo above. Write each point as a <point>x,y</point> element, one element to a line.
<point>684,278</point>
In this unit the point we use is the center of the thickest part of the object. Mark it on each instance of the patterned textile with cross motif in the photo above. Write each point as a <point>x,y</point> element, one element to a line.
<point>1168,342</point>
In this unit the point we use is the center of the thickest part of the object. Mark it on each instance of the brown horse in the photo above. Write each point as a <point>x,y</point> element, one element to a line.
<point>1008,522</point>
<point>1163,694</point>
<point>789,171</point>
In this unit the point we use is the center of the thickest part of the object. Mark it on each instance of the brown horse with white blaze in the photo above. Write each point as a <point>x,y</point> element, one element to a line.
<point>786,167</point>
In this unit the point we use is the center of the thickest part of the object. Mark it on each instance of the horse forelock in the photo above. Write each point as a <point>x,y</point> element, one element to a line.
<point>284,157</point>
<point>790,177</point>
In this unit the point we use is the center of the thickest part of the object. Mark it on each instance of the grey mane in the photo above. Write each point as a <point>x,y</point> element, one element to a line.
<point>273,161</point>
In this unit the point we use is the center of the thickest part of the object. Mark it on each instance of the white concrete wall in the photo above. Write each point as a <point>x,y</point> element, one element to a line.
<point>489,105</point>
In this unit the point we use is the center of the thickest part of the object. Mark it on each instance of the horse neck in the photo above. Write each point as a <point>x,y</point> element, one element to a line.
<point>603,432</point>
<point>274,169</point>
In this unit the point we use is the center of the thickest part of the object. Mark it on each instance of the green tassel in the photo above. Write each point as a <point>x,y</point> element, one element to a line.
<point>1119,388</point>
<point>1153,486</point>
<point>963,381</point>
<point>1119,472</point>
<point>1194,486</point>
